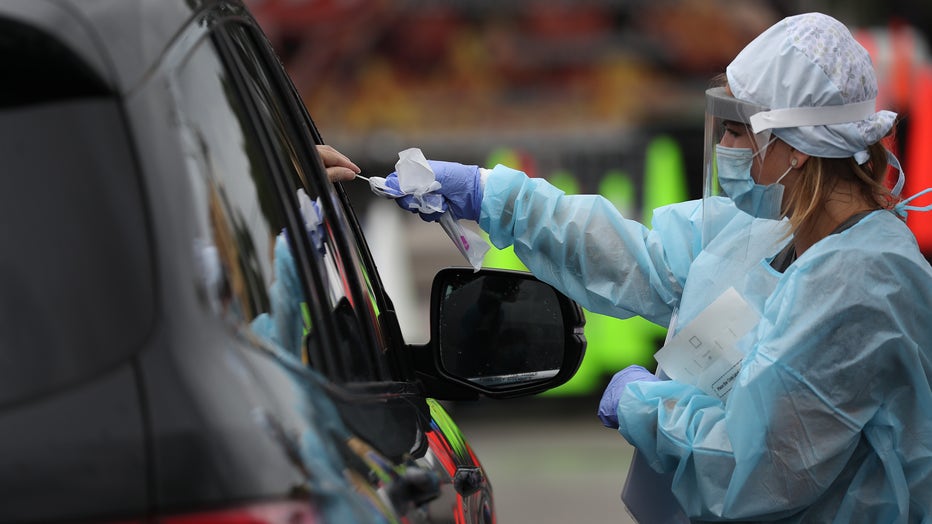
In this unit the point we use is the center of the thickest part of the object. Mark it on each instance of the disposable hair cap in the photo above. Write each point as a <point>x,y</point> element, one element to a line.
<point>819,84</point>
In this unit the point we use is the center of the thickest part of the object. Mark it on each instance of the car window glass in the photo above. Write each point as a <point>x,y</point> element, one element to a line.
<point>343,282</point>
<point>22,47</point>
<point>242,246</point>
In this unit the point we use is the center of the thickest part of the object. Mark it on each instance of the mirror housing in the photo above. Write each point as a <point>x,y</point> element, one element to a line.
<point>499,334</point>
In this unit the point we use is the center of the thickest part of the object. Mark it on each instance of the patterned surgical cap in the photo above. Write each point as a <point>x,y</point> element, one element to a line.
<point>812,60</point>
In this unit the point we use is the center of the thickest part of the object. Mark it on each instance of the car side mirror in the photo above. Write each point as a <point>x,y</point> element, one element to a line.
<point>498,333</point>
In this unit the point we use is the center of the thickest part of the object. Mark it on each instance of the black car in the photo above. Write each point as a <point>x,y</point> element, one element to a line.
<point>192,328</point>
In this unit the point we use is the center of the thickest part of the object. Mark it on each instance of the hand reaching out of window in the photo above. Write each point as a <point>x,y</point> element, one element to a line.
<point>339,167</point>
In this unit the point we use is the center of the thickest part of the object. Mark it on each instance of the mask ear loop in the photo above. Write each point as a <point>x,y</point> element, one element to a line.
<point>761,153</point>
<point>793,163</point>
<point>762,140</point>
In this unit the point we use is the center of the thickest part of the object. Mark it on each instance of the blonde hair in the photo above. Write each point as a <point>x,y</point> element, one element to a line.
<point>820,176</point>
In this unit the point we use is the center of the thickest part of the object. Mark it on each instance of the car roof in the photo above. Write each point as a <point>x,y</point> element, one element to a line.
<point>118,39</point>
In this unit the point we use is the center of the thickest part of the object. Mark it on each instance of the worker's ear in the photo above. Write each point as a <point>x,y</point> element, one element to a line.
<point>798,159</point>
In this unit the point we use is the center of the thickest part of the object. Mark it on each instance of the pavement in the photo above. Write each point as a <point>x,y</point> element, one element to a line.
<point>550,460</point>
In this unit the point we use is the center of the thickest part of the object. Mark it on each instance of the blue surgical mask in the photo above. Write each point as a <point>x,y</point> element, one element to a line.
<point>734,175</point>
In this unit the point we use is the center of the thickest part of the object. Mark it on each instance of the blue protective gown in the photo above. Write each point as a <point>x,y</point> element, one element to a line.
<point>830,419</point>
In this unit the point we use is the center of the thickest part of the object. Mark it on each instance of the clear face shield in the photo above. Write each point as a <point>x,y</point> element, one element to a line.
<point>727,131</point>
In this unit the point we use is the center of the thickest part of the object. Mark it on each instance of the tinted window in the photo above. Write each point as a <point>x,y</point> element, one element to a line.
<point>335,266</point>
<point>76,291</point>
<point>34,65</point>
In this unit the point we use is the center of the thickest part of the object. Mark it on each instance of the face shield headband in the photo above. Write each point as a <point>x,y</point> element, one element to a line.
<point>722,108</point>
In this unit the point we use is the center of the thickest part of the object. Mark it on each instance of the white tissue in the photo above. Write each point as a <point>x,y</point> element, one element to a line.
<point>416,178</point>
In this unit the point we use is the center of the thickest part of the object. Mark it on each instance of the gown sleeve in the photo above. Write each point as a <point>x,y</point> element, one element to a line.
<point>583,246</point>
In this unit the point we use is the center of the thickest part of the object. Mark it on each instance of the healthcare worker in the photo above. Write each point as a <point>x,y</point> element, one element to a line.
<point>829,418</point>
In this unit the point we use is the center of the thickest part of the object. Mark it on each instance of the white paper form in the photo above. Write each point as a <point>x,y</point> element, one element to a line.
<point>705,352</point>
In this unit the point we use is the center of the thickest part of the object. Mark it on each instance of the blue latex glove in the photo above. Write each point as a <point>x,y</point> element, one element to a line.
<point>608,406</point>
<point>459,184</point>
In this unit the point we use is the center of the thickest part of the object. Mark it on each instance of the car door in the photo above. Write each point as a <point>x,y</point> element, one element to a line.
<point>348,331</point>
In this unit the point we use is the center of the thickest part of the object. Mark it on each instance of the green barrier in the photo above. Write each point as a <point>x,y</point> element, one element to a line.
<point>617,187</point>
<point>664,176</point>
<point>613,343</point>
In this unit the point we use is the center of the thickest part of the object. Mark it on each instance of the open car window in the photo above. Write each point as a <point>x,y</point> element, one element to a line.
<point>340,333</point>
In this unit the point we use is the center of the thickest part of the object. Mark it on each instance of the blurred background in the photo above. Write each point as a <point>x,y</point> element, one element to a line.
<point>597,96</point>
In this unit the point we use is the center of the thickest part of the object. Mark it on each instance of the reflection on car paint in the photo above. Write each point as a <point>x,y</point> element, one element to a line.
<point>311,448</point>
<point>458,460</point>
<point>441,420</point>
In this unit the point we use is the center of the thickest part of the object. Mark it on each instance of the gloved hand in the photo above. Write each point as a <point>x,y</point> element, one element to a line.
<point>608,406</point>
<point>460,186</point>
